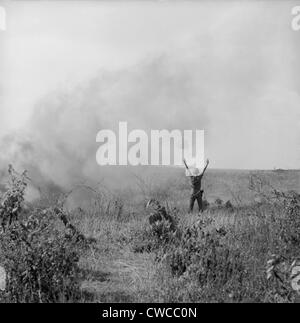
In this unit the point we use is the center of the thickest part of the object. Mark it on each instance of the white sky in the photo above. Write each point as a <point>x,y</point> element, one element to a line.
<point>243,56</point>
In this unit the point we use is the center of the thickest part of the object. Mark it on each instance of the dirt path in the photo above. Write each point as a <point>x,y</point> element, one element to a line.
<point>119,277</point>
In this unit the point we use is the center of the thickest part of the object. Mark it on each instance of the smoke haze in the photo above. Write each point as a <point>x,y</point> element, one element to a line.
<point>73,69</point>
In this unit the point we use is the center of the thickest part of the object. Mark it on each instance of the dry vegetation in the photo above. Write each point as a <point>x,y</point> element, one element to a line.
<point>238,251</point>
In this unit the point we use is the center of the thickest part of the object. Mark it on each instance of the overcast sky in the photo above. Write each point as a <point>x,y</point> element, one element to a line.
<point>228,67</point>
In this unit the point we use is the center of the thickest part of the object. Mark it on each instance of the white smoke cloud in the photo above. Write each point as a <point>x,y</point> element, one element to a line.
<point>233,78</point>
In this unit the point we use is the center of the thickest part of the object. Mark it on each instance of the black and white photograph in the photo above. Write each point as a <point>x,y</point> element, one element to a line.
<point>149,154</point>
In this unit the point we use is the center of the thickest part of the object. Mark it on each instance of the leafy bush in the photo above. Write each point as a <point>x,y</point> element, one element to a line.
<point>160,231</point>
<point>13,198</point>
<point>202,255</point>
<point>286,253</point>
<point>290,223</point>
<point>39,254</point>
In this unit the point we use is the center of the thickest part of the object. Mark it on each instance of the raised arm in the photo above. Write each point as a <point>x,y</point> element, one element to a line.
<point>186,166</point>
<point>207,162</point>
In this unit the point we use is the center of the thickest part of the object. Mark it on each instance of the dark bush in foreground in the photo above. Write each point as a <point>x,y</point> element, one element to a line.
<point>39,254</point>
<point>255,258</point>
<point>206,259</point>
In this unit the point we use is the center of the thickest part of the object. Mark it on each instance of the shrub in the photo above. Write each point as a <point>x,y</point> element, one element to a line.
<point>202,261</point>
<point>286,254</point>
<point>204,254</point>
<point>228,205</point>
<point>39,254</point>
<point>218,202</point>
<point>13,198</point>
<point>161,230</point>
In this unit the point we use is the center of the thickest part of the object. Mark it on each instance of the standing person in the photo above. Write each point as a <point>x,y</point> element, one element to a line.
<point>197,192</point>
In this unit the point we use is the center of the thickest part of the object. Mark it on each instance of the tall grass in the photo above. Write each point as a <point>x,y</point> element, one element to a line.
<point>241,253</point>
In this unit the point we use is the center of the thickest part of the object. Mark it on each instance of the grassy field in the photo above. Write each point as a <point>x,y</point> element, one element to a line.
<point>118,224</point>
<point>225,254</point>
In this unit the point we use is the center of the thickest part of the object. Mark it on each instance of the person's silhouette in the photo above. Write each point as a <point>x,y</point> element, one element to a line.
<point>197,192</point>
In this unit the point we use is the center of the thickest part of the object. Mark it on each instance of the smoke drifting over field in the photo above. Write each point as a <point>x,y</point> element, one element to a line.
<point>61,134</point>
<point>239,85</point>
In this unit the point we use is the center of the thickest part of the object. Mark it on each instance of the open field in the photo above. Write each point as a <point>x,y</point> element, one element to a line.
<point>220,255</point>
<point>91,89</point>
